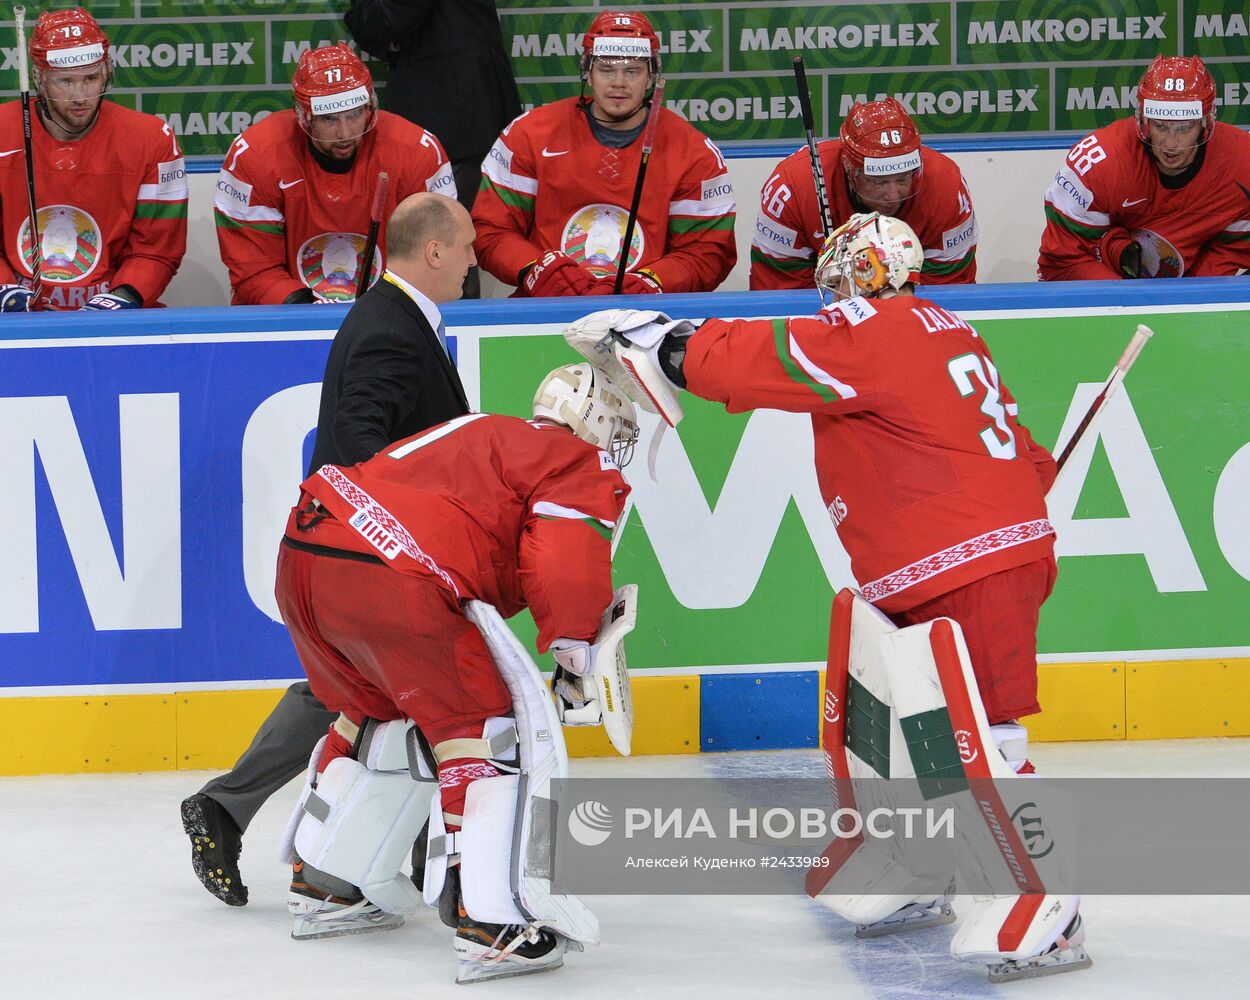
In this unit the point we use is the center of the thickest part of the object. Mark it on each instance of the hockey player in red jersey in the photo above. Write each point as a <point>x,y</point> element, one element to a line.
<point>936,489</point>
<point>1163,194</point>
<point>110,183</point>
<point>877,164</point>
<point>375,565</point>
<point>559,181</point>
<point>295,189</point>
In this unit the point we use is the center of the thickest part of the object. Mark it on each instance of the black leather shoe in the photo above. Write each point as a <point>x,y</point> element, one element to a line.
<point>215,846</point>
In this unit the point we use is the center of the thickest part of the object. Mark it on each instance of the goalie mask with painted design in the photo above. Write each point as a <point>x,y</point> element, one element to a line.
<point>868,255</point>
<point>588,403</point>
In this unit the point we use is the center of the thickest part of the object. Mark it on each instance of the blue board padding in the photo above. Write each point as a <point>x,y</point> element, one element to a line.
<point>772,711</point>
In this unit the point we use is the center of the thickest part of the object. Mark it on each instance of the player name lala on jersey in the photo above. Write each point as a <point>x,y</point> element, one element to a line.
<point>913,529</point>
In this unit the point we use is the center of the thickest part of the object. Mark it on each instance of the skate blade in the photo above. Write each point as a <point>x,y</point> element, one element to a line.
<point>471,972</point>
<point>1010,972</point>
<point>884,927</point>
<point>307,930</point>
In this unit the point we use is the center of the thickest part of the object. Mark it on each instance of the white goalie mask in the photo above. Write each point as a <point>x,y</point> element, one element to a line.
<point>867,255</point>
<point>588,403</point>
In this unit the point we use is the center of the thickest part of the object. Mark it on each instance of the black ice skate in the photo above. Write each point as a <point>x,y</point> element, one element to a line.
<point>215,846</point>
<point>325,906</point>
<point>494,951</point>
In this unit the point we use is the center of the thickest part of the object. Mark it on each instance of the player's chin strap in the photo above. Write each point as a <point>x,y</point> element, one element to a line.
<point>641,351</point>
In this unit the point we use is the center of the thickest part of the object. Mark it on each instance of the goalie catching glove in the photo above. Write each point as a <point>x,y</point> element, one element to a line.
<point>640,350</point>
<point>591,680</point>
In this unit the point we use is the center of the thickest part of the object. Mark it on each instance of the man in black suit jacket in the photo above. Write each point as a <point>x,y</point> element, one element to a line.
<point>388,376</point>
<point>449,72</point>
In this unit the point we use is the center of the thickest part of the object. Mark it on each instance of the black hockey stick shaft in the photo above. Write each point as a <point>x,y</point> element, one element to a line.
<point>36,241</point>
<point>375,226</point>
<point>648,140</point>
<point>1135,345</point>
<point>809,126</point>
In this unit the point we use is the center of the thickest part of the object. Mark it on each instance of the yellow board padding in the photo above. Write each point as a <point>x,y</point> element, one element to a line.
<point>1177,699</point>
<point>666,720</point>
<point>89,733</point>
<point>1080,701</point>
<point>214,727</point>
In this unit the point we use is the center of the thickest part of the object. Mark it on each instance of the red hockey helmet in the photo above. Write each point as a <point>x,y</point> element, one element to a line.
<point>879,138</point>
<point>331,80</point>
<point>620,34</point>
<point>1176,89</point>
<point>67,39</point>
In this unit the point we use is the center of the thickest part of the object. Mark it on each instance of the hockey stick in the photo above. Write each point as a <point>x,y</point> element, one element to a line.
<point>1138,341</point>
<point>375,225</point>
<point>809,125</point>
<point>648,140</point>
<point>36,242</point>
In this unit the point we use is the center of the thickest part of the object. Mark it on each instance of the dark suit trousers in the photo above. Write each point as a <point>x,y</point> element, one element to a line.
<point>279,751</point>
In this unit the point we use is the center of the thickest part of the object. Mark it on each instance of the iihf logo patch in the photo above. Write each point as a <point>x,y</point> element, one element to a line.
<point>70,242</point>
<point>967,752</point>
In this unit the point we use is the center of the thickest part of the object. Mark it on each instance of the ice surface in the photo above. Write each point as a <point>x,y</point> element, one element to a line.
<point>101,903</point>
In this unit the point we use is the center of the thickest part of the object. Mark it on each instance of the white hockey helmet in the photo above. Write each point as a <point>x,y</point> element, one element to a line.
<point>587,402</point>
<point>867,255</point>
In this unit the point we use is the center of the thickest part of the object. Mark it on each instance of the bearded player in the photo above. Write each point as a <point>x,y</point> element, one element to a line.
<point>1163,194</point>
<point>110,183</point>
<point>558,183</point>
<point>936,489</point>
<point>877,164</point>
<point>294,194</point>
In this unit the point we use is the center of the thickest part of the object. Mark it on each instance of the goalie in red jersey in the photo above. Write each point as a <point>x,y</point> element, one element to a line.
<point>557,185</point>
<point>938,494</point>
<point>877,164</point>
<point>110,183</point>
<point>1163,194</point>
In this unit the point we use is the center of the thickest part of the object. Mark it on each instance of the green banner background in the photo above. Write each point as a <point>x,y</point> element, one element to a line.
<point>725,62</point>
<point>1101,603</point>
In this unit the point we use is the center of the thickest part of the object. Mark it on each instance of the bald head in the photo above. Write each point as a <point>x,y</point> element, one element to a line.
<point>429,242</point>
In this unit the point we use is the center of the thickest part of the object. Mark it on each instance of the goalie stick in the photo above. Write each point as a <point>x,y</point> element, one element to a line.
<point>1135,345</point>
<point>375,224</point>
<point>36,241</point>
<point>809,125</point>
<point>648,140</point>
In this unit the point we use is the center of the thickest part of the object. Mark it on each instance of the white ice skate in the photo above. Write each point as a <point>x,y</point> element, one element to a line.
<point>924,911</point>
<point>1067,955</point>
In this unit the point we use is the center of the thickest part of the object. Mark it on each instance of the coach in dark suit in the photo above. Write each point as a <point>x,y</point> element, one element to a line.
<point>388,376</point>
<point>449,72</point>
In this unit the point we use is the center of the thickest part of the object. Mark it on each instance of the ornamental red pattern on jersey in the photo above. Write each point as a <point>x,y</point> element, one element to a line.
<point>929,476</point>
<point>112,206</point>
<point>284,223</point>
<point>496,508</point>
<point>788,226</point>
<point>547,184</point>
<point>1108,187</point>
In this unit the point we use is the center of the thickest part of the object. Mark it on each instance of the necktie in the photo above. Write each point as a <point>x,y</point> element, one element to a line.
<point>442,336</point>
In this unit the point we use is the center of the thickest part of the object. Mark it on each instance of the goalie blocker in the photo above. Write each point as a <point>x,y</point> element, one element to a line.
<point>904,704</point>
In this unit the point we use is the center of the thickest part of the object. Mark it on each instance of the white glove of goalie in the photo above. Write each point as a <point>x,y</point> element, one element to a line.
<point>625,344</point>
<point>591,681</point>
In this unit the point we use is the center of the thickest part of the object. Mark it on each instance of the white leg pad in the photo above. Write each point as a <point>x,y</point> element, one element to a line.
<point>438,852</point>
<point>527,855</point>
<point>485,844</point>
<point>286,849</point>
<point>359,825</point>
<point>999,928</point>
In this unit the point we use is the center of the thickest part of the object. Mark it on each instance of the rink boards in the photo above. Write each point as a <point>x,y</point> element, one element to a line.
<point>150,462</point>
